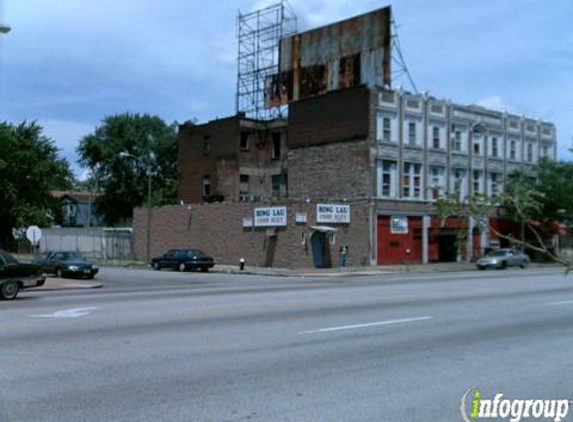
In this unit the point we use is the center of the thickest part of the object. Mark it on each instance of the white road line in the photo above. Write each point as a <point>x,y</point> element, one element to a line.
<point>371,324</point>
<point>68,313</point>
<point>563,302</point>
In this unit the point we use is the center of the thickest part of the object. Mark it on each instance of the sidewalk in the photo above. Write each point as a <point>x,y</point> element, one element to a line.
<point>346,271</point>
<point>66,284</point>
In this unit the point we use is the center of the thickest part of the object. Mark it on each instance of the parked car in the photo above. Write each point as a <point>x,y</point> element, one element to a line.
<point>67,264</point>
<point>15,276</point>
<point>503,258</point>
<point>183,260</point>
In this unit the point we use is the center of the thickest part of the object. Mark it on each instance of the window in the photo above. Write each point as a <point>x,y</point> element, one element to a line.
<point>545,150</point>
<point>387,182</point>
<point>243,184</point>
<point>276,185</point>
<point>477,181</point>
<point>529,152</point>
<point>412,136</point>
<point>244,142</point>
<point>457,140</point>
<point>436,137</point>
<point>494,147</point>
<point>383,128</point>
<point>386,130</point>
<point>206,185</point>
<point>276,152</point>
<point>458,183</point>
<point>495,178</point>
<point>412,180</point>
<point>437,184</point>
<point>477,145</point>
<point>206,144</point>
<point>512,150</point>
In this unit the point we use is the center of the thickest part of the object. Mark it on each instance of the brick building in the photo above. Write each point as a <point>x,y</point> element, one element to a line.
<point>386,155</point>
<point>355,162</point>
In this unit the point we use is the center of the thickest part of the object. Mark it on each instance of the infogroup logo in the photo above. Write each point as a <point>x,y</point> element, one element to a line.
<point>474,407</point>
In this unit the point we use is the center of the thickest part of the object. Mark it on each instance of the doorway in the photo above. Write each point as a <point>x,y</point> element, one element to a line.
<point>320,250</point>
<point>447,247</point>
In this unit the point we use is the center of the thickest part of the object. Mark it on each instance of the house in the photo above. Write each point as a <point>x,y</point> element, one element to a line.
<point>78,208</point>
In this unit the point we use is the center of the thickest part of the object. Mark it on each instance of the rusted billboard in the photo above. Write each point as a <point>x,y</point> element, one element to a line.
<point>341,55</point>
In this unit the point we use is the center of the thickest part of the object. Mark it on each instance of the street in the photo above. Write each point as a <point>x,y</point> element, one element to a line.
<point>166,346</point>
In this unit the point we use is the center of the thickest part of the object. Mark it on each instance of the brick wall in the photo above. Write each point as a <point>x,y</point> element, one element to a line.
<point>226,160</point>
<point>218,229</point>
<point>336,116</point>
<point>331,172</point>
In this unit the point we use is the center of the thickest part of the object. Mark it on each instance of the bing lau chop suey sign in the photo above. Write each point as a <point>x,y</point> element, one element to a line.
<point>332,213</point>
<point>270,216</point>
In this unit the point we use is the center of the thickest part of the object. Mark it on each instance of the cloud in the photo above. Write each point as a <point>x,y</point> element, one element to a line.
<point>67,135</point>
<point>496,102</point>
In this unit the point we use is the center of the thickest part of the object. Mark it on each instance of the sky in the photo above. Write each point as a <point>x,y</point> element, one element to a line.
<point>67,64</point>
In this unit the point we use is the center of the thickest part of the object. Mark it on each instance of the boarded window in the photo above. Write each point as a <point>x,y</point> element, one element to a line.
<point>244,142</point>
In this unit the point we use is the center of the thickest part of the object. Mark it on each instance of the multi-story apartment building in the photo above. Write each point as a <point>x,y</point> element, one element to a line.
<point>391,151</point>
<point>355,163</point>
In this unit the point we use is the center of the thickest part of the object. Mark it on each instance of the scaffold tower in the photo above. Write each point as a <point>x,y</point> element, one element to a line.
<point>259,34</point>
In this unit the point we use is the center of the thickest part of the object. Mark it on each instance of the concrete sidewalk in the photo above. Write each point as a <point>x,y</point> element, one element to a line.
<point>346,271</point>
<point>66,284</point>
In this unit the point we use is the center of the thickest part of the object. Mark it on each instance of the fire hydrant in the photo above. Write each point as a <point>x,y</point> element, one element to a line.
<point>242,264</point>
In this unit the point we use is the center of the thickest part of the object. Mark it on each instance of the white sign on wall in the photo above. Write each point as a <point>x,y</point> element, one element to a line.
<point>270,216</point>
<point>399,225</point>
<point>301,217</point>
<point>248,222</point>
<point>332,213</point>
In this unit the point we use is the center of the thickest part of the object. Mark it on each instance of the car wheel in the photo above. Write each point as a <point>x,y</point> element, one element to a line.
<point>503,265</point>
<point>156,266</point>
<point>9,290</point>
<point>524,264</point>
<point>182,267</point>
<point>204,269</point>
<point>59,273</point>
<point>481,268</point>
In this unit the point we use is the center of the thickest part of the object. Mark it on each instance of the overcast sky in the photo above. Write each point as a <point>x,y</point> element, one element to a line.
<point>69,63</point>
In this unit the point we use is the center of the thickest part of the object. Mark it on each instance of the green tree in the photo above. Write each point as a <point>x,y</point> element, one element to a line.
<point>523,200</point>
<point>555,181</point>
<point>122,180</point>
<point>29,169</point>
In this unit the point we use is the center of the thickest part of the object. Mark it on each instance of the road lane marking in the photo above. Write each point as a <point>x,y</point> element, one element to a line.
<point>367,325</point>
<point>563,302</point>
<point>68,313</point>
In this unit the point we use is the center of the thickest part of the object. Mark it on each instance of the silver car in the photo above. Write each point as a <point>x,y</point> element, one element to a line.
<point>503,258</point>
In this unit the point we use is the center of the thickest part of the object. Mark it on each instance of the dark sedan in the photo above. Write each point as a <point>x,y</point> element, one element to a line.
<point>67,264</point>
<point>15,276</point>
<point>183,260</point>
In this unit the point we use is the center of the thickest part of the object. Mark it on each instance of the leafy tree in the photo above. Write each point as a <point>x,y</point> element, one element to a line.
<point>120,152</point>
<point>523,201</point>
<point>29,169</point>
<point>555,181</point>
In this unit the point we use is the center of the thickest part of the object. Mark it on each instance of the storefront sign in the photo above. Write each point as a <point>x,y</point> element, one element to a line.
<point>399,225</point>
<point>270,216</point>
<point>301,217</point>
<point>332,213</point>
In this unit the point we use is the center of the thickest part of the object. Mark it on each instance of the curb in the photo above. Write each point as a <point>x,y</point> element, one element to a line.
<point>59,284</point>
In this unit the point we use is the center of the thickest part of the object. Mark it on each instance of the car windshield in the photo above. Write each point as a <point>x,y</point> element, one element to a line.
<point>497,253</point>
<point>8,258</point>
<point>66,256</point>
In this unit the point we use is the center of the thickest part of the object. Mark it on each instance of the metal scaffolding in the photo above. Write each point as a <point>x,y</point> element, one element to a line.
<point>259,34</point>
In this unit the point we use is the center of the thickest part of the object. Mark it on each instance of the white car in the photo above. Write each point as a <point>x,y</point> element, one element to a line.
<point>503,258</point>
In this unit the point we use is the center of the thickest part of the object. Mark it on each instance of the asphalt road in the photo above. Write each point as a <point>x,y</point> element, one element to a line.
<point>213,347</point>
